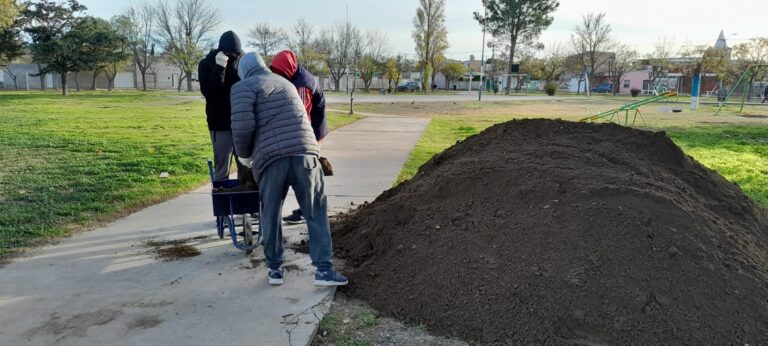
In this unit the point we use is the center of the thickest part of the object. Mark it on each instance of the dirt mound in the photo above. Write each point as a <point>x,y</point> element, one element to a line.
<point>555,232</point>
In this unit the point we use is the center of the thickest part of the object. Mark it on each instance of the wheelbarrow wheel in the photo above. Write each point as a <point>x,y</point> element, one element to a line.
<point>247,233</point>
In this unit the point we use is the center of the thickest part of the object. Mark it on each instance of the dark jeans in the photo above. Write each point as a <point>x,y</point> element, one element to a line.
<point>305,176</point>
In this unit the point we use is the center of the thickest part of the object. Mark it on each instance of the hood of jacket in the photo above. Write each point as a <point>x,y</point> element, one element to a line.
<point>285,64</point>
<point>251,64</point>
<point>229,43</point>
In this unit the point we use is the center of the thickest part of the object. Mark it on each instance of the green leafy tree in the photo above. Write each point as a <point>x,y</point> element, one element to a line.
<point>517,21</point>
<point>431,37</point>
<point>46,23</point>
<point>707,59</point>
<point>54,46</point>
<point>99,46</point>
<point>11,48</point>
<point>394,68</point>
<point>453,71</point>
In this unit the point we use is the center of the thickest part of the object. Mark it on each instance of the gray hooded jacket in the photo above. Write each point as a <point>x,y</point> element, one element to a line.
<point>269,121</point>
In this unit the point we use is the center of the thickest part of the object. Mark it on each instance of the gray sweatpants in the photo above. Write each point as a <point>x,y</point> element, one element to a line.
<point>223,146</point>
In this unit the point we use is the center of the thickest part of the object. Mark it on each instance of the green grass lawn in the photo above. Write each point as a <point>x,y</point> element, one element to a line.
<point>71,163</point>
<point>739,153</point>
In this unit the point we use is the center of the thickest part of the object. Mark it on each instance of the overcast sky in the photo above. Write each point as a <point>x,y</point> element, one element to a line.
<point>637,23</point>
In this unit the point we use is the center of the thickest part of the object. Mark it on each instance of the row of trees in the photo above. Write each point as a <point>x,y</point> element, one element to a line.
<point>516,24</point>
<point>61,39</point>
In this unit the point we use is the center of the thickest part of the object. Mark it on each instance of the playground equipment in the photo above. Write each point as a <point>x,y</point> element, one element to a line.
<point>743,86</point>
<point>616,113</point>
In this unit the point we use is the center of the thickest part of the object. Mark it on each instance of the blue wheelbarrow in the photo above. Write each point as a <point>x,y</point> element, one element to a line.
<point>232,206</point>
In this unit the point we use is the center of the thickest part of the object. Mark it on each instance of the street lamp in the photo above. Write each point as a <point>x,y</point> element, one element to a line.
<point>482,54</point>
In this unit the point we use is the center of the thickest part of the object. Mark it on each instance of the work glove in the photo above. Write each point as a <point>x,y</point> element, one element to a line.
<point>222,59</point>
<point>326,166</point>
<point>245,162</point>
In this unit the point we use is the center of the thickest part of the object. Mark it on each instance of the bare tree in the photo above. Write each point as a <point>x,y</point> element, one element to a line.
<point>591,40</point>
<point>267,39</point>
<point>184,30</point>
<point>431,37</point>
<point>623,60</point>
<point>138,25</point>
<point>553,63</point>
<point>754,52</point>
<point>302,37</point>
<point>660,59</point>
<point>372,61</point>
<point>336,46</point>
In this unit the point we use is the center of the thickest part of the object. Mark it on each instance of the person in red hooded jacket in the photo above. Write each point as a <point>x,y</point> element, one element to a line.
<point>286,64</point>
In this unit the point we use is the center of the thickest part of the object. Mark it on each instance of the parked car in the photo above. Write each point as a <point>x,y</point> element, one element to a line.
<point>604,87</point>
<point>410,86</point>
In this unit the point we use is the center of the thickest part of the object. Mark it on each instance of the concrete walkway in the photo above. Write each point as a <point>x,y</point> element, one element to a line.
<point>110,287</point>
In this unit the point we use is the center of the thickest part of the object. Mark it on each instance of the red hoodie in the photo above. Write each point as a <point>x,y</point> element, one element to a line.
<point>286,64</point>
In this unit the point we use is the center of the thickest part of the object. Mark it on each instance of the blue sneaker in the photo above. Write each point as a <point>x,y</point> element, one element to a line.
<point>276,276</point>
<point>329,278</point>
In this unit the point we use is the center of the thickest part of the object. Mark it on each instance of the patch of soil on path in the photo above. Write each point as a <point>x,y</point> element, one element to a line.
<point>171,250</point>
<point>553,232</point>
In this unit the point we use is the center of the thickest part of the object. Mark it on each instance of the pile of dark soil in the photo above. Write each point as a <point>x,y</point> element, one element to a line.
<point>552,232</point>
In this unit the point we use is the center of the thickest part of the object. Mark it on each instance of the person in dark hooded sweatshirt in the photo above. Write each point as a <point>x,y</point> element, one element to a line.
<point>286,64</point>
<point>270,127</point>
<point>218,73</point>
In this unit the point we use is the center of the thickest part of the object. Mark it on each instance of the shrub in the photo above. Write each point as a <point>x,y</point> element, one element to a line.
<point>550,89</point>
<point>635,92</point>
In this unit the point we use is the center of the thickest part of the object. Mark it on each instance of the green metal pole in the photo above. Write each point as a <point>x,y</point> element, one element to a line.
<point>731,92</point>
<point>745,90</point>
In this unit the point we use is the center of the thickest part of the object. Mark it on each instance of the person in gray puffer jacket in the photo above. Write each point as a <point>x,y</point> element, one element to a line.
<point>270,126</point>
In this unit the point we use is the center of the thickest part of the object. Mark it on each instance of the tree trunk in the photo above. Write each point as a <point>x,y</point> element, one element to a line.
<point>64,88</point>
<point>110,80</point>
<point>336,83</point>
<point>189,80</point>
<point>93,82</point>
<point>144,80</point>
<point>77,81</point>
<point>751,88</point>
<point>434,73</point>
<point>512,47</point>
<point>42,77</point>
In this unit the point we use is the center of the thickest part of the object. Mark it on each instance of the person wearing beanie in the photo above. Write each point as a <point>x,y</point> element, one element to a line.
<point>286,64</point>
<point>217,73</point>
<point>270,127</point>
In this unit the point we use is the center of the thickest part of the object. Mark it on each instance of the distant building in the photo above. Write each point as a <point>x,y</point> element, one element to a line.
<point>472,64</point>
<point>163,76</point>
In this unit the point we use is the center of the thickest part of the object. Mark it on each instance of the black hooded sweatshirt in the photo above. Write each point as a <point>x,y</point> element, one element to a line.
<point>216,82</point>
